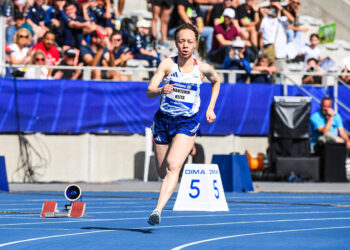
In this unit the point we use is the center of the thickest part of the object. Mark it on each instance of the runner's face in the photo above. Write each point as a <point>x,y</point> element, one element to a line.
<point>186,43</point>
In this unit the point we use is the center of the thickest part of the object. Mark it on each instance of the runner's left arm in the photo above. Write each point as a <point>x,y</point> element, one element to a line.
<point>214,78</point>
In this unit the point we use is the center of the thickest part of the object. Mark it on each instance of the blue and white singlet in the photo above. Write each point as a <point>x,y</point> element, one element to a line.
<point>184,100</point>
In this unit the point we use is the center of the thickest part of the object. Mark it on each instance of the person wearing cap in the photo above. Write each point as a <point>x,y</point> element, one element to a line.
<point>69,58</point>
<point>224,34</point>
<point>235,60</point>
<point>215,15</point>
<point>141,44</point>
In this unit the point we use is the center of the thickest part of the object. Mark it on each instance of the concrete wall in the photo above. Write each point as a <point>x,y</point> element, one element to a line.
<point>101,158</point>
<point>330,11</point>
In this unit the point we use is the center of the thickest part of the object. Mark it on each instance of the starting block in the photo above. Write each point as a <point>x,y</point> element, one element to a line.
<point>75,209</point>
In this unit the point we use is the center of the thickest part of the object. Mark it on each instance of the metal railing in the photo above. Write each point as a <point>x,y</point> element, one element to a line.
<point>141,73</point>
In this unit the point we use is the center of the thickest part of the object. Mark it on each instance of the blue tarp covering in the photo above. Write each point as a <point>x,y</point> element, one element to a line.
<point>64,106</point>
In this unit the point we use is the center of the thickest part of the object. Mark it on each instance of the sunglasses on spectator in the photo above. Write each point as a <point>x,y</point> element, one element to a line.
<point>40,59</point>
<point>23,36</point>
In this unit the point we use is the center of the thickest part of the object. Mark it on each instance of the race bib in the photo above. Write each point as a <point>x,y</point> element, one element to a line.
<point>183,93</point>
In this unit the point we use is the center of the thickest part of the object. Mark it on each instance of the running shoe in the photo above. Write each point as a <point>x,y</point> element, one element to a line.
<point>154,218</point>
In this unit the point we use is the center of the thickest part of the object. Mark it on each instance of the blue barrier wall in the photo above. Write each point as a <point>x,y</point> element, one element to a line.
<point>64,106</point>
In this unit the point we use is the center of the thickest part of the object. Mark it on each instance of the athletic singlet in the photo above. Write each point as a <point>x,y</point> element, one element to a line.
<point>184,100</point>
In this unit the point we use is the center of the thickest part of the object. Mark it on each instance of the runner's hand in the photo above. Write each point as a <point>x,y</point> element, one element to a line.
<point>211,117</point>
<point>168,88</point>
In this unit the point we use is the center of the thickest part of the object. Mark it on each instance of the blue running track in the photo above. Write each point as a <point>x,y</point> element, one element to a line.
<point>119,221</point>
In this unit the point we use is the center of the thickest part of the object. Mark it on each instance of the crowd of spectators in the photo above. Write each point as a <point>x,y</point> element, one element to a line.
<point>233,35</point>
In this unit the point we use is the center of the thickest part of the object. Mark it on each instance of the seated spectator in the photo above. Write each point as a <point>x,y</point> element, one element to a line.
<point>294,29</point>
<point>20,50</point>
<point>54,20</point>
<point>235,60</point>
<point>345,79</point>
<point>75,26</point>
<point>100,13</point>
<point>249,17</point>
<point>161,9</point>
<point>312,67</point>
<point>19,22</point>
<point>22,6</point>
<point>188,11</point>
<point>224,34</point>
<point>48,47</point>
<point>92,54</point>
<point>215,16</point>
<point>70,58</point>
<point>327,126</point>
<point>266,71</point>
<point>141,47</point>
<point>38,58</point>
<point>121,53</point>
<point>35,18</point>
<point>313,51</point>
<point>273,35</point>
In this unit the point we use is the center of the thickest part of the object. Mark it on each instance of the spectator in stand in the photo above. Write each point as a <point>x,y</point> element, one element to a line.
<point>224,34</point>
<point>235,60</point>
<point>161,9</point>
<point>248,15</point>
<point>327,126</point>
<point>92,54</point>
<point>38,58</point>
<point>188,11</point>
<point>102,14</point>
<point>312,67</point>
<point>19,22</point>
<point>120,53</point>
<point>215,15</point>
<point>54,20</point>
<point>20,50</point>
<point>48,47</point>
<point>273,35</point>
<point>313,51</point>
<point>22,6</point>
<point>35,18</point>
<point>345,79</point>
<point>70,58</point>
<point>294,29</point>
<point>266,71</point>
<point>75,26</point>
<point>141,47</point>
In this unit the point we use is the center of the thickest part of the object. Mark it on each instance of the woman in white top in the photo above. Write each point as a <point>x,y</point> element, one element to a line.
<point>38,58</point>
<point>20,50</point>
<point>176,122</point>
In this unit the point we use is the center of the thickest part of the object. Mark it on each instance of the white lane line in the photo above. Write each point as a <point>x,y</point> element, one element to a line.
<point>168,217</point>
<point>49,237</point>
<point>258,233</point>
<point>177,226</point>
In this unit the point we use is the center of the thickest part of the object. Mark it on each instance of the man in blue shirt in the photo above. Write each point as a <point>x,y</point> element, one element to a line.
<point>327,126</point>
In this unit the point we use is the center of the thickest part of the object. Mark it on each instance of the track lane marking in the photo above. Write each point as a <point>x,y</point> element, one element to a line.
<point>258,233</point>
